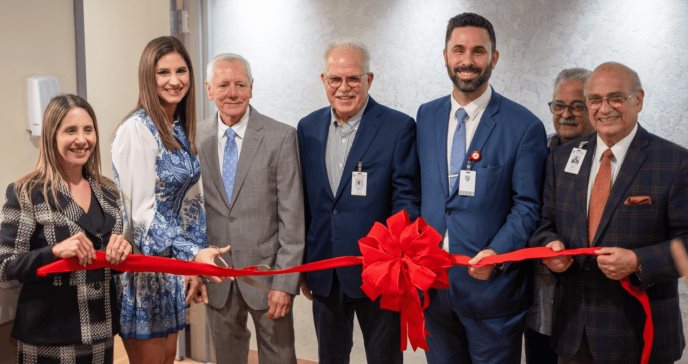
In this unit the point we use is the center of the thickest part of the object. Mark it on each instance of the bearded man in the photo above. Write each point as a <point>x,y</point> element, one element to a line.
<point>482,158</point>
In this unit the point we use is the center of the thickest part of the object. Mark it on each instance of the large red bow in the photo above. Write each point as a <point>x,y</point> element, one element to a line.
<point>398,261</point>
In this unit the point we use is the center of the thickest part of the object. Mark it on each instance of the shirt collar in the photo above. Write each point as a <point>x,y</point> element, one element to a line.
<point>474,107</point>
<point>239,128</point>
<point>619,149</point>
<point>354,120</point>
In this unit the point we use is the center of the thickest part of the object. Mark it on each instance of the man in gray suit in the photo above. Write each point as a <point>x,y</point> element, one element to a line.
<point>254,203</point>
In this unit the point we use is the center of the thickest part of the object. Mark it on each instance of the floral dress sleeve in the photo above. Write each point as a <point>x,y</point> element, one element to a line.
<point>155,227</point>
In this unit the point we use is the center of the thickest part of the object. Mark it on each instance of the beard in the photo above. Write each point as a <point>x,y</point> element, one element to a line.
<point>472,85</point>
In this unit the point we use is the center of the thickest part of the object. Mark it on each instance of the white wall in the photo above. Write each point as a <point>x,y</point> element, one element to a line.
<point>37,37</point>
<point>284,41</point>
<point>115,34</point>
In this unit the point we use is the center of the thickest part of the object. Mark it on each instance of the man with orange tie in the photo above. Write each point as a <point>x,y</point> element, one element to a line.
<point>628,195</point>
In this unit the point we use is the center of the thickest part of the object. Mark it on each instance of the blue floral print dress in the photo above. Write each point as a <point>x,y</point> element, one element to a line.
<point>163,215</point>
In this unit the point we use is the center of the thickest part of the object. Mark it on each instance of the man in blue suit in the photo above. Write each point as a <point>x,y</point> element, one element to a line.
<point>359,166</point>
<point>481,158</point>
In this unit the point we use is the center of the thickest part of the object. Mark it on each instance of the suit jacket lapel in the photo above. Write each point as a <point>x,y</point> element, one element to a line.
<point>581,192</point>
<point>367,129</point>
<point>635,156</point>
<point>209,153</point>
<point>249,146</point>
<point>106,205</point>
<point>321,132</point>
<point>442,132</point>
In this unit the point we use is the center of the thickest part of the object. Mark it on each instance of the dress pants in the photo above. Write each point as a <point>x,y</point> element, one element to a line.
<point>456,339</point>
<point>231,336</point>
<point>334,323</point>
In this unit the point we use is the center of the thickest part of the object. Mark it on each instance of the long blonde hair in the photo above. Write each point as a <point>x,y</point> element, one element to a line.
<point>148,93</point>
<point>48,173</point>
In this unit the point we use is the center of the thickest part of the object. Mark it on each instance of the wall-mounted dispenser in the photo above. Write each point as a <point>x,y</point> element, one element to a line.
<point>39,90</point>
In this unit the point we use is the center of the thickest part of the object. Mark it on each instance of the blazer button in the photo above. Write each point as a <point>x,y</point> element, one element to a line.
<point>447,212</point>
<point>586,266</point>
<point>96,286</point>
<point>334,212</point>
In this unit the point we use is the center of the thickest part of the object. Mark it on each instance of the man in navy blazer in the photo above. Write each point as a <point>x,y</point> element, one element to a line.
<point>595,320</point>
<point>359,166</point>
<point>486,204</point>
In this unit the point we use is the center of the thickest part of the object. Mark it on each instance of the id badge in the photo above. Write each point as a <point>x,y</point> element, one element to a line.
<point>359,183</point>
<point>573,166</point>
<point>467,183</point>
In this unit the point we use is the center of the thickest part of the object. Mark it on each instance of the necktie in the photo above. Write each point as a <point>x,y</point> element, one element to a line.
<point>230,160</point>
<point>599,194</point>
<point>458,150</point>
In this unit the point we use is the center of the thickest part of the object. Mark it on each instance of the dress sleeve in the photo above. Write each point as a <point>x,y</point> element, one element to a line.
<point>18,263</point>
<point>154,232</point>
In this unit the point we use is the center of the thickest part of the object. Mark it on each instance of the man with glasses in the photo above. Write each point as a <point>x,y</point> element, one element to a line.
<point>359,166</point>
<point>628,197</point>
<point>570,120</point>
<point>482,158</point>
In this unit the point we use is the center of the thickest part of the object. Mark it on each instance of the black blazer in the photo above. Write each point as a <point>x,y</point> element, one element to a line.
<point>61,309</point>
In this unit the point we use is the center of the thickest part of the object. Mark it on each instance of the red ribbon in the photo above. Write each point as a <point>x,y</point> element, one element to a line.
<point>398,261</point>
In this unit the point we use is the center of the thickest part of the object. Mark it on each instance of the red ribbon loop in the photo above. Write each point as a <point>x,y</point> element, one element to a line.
<point>398,261</point>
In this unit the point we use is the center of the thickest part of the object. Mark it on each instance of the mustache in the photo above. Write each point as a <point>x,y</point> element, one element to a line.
<point>569,121</point>
<point>468,68</point>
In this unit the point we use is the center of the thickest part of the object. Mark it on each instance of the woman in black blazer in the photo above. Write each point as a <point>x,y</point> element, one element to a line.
<point>64,208</point>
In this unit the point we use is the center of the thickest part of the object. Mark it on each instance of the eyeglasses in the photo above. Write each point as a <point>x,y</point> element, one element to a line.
<point>353,81</point>
<point>576,108</point>
<point>614,100</point>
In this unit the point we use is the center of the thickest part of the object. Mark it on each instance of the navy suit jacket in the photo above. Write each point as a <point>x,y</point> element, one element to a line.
<point>504,211</point>
<point>385,143</point>
<point>585,300</point>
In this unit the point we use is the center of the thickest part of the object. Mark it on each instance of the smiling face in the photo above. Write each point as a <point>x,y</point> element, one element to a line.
<point>172,80</point>
<point>231,89</point>
<point>568,125</point>
<point>349,96</point>
<point>613,123</point>
<point>469,59</point>
<point>75,139</point>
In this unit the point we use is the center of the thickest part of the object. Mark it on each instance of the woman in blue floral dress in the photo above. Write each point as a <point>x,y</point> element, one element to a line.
<point>157,169</point>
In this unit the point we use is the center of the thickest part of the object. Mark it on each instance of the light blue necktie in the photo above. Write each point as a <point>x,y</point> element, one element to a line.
<point>458,151</point>
<point>230,160</point>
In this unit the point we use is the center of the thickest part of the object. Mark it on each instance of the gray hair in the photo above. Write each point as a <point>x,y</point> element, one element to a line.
<point>210,70</point>
<point>350,45</point>
<point>576,73</point>
<point>634,75</point>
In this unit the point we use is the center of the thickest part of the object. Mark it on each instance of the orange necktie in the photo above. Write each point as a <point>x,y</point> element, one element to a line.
<point>599,194</point>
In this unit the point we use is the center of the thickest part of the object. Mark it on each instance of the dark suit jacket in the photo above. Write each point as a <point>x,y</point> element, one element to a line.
<point>585,300</point>
<point>61,309</point>
<point>505,209</point>
<point>385,143</point>
<point>263,222</point>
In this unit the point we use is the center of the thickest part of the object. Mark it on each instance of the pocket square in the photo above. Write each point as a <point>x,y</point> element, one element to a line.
<point>638,200</point>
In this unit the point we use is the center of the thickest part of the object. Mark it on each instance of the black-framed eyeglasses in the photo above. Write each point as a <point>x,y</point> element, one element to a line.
<point>353,81</point>
<point>614,100</point>
<point>576,108</point>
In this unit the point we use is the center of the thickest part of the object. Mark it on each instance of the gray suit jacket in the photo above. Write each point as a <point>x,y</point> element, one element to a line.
<point>264,223</point>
